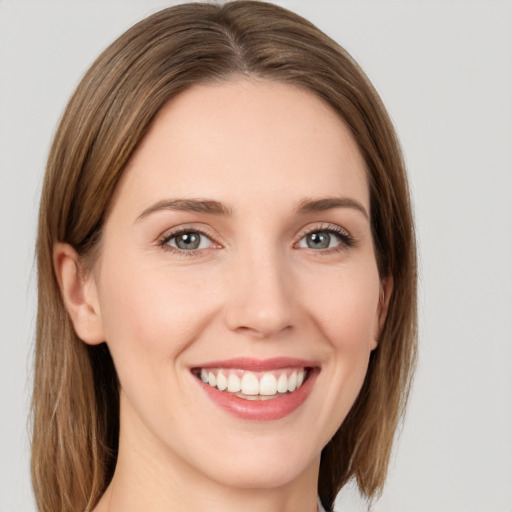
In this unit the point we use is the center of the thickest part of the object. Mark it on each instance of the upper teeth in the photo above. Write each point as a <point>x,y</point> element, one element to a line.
<point>254,383</point>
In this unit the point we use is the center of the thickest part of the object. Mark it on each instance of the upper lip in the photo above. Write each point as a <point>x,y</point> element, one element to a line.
<point>259,365</point>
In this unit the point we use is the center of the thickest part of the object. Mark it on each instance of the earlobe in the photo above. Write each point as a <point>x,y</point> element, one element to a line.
<point>386,288</point>
<point>79,294</point>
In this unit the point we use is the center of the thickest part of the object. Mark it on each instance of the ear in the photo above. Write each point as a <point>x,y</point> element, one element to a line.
<point>386,288</point>
<point>79,294</point>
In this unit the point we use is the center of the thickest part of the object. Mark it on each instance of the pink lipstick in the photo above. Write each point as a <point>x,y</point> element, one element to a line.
<point>255,389</point>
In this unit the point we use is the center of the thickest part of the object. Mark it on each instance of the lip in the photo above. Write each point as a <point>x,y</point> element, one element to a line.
<point>260,410</point>
<point>259,365</point>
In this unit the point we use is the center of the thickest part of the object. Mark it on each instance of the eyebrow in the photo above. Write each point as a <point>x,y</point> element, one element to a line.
<point>329,203</point>
<point>188,205</point>
<point>217,208</point>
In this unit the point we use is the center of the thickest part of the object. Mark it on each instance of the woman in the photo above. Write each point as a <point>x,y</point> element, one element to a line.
<point>226,269</point>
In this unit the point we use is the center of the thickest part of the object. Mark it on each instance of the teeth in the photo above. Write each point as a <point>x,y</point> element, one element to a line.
<point>292,382</point>
<point>268,385</point>
<point>222,382</point>
<point>300,379</point>
<point>234,384</point>
<point>282,383</point>
<point>251,385</point>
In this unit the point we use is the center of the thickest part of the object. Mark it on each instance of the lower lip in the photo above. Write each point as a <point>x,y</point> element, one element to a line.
<point>261,410</point>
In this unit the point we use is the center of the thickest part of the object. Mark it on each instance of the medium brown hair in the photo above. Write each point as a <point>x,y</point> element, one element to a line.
<point>76,400</point>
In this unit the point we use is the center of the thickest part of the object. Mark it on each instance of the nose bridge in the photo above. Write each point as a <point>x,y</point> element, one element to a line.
<point>261,301</point>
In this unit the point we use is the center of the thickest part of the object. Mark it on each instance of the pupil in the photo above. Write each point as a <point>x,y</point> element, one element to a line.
<point>318,240</point>
<point>188,241</point>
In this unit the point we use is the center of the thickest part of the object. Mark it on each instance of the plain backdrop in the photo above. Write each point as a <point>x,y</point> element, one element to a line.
<point>444,70</point>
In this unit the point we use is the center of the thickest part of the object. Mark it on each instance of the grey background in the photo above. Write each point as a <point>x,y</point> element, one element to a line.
<point>444,70</point>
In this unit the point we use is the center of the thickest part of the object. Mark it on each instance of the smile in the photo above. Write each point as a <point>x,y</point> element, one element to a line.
<point>257,390</point>
<point>250,385</point>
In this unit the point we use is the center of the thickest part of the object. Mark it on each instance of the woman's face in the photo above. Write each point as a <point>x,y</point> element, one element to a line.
<point>237,254</point>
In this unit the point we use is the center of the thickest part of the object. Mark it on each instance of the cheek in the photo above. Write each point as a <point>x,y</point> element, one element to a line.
<point>346,312</point>
<point>345,305</point>
<point>153,312</point>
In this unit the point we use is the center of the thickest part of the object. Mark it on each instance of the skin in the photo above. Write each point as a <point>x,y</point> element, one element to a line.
<point>254,288</point>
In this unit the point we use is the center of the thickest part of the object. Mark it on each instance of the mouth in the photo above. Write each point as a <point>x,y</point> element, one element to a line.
<point>257,390</point>
<point>250,385</point>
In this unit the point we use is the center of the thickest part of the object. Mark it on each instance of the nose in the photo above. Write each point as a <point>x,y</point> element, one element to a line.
<point>261,300</point>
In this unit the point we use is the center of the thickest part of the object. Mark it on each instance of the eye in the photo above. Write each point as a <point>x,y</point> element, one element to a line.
<point>321,239</point>
<point>189,240</point>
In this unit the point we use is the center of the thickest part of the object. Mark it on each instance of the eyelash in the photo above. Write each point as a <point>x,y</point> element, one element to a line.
<point>167,237</point>
<point>346,240</point>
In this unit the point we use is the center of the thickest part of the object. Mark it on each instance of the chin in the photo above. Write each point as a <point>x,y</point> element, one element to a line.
<point>264,461</point>
<point>269,473</point>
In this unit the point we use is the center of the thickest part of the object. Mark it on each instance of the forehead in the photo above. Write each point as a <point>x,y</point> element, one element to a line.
<point>242,139</point>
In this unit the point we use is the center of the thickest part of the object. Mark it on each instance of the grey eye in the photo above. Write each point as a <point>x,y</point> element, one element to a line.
<point>189,241</point>
<point>321,239</point>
